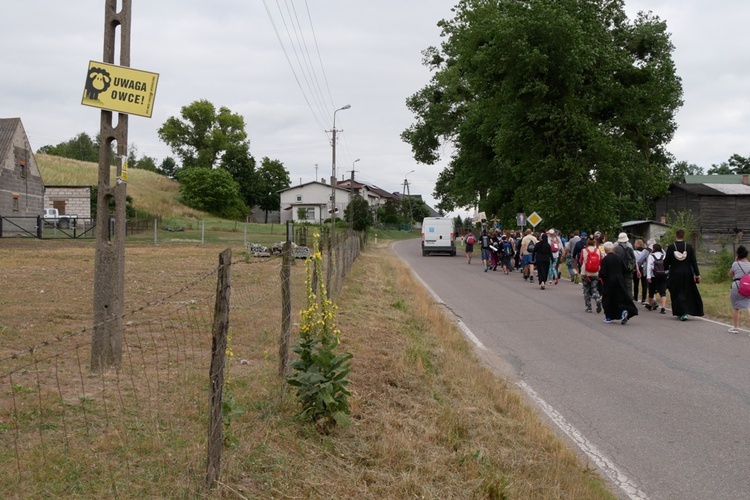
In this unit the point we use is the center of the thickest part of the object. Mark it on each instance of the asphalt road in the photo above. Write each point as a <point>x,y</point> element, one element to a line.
<point>661,406</point>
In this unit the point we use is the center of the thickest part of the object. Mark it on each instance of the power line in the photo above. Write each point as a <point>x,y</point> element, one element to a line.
<point>308,60</point>
<point>294,47</point>
<point>320,59</point>
<point>291,66</point>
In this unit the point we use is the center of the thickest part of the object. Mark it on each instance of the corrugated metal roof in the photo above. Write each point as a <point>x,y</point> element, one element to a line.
<point>714,179</point>
<point>638,222</point>
<point>700,189</point>
<point>730,189</point>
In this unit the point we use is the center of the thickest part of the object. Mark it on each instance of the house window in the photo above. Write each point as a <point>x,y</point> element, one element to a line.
<point>15,202</point>
<point>22,166</point>
<point>299,198</point>
<point>310,214</point>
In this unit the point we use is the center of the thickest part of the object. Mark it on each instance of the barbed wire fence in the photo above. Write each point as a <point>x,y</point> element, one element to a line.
<point>65,430</point>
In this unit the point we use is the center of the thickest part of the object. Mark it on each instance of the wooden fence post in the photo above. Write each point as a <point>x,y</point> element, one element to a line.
<point>337,269</point>
<point>286,309</point>
<point>218,365</point>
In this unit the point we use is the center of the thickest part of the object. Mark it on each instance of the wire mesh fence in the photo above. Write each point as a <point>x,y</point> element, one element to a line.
<point>142,428</point>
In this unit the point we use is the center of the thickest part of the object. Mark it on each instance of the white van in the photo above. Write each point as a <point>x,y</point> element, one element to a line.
<point>438,235</point>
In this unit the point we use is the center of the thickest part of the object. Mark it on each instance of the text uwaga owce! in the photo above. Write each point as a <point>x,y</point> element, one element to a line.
<point>128,84</point>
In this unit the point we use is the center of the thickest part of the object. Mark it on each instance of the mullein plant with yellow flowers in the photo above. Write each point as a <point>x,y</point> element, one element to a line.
<point>230,409</point>
<point>320,374</point>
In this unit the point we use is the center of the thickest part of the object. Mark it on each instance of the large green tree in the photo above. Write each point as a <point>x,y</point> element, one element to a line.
<point>81,147</point>
<point>360,213</point>
<point>680,169</point>
<point>203,135</point>
<point>168,167</point>
<point>144,163</point>
<point>212,190</point>
<point>390,212</point>
<point>735,165</point>
<point>272,178</point>
<point>563,107</point>
<point>238,161</point>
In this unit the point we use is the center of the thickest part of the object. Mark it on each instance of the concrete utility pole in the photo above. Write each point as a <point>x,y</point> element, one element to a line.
<point>351,197</point>
<point>332,237</point>
<point>407,196</point>
<point>109,264</point>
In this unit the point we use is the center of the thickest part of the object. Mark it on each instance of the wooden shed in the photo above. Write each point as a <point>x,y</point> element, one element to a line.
<point>722,210</point>
<point>645,229</point>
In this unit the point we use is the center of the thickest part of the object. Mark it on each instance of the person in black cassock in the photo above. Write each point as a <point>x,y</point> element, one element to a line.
<point>682,278</point>
<point>542,259</point>
<point>615,296</point>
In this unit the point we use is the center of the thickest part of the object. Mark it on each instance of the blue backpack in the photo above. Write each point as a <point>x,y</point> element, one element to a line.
<point>507,249</point>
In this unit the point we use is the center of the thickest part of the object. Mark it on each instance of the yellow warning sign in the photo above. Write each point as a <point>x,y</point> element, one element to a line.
<point>120,89</point>
<point>534,219</point>
<point>124,174</point>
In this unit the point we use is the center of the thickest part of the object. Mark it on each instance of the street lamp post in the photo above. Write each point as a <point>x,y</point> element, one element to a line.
<point>332,237</point>
<point>351,197</point>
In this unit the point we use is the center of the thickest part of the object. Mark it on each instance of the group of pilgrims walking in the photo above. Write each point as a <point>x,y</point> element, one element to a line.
<point>613,275</point>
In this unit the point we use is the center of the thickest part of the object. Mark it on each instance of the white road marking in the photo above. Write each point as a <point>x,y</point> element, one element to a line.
<point>465,329</point>
<point>605,464</point>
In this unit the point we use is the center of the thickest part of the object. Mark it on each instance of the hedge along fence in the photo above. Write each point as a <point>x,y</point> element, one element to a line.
<point>151,426</point>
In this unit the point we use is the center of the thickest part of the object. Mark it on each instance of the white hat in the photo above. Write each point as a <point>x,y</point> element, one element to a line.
<point>622,238</point>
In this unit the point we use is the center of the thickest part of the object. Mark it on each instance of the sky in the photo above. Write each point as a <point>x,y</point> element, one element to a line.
<point>287,65</point>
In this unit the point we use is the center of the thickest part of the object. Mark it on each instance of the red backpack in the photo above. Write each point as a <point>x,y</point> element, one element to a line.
<point>744,284</point>
<point>592,260</point>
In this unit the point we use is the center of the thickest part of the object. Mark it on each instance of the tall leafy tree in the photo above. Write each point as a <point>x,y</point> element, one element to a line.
<point>679,170</point>
<point>558,106</point>
<point>203,134</point>
<point>272,178</point>
<point>390,212</point>
<point>360,213</point>
<point>213,191</point>
<point>735,165</point>
<point>238,161</point>
<point>739,164</point>
<point>414,209</point>
<point>142,163</point>
<point>168,167</point>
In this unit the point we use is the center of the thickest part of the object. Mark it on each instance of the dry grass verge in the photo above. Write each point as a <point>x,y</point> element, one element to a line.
<point>429,421</point>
